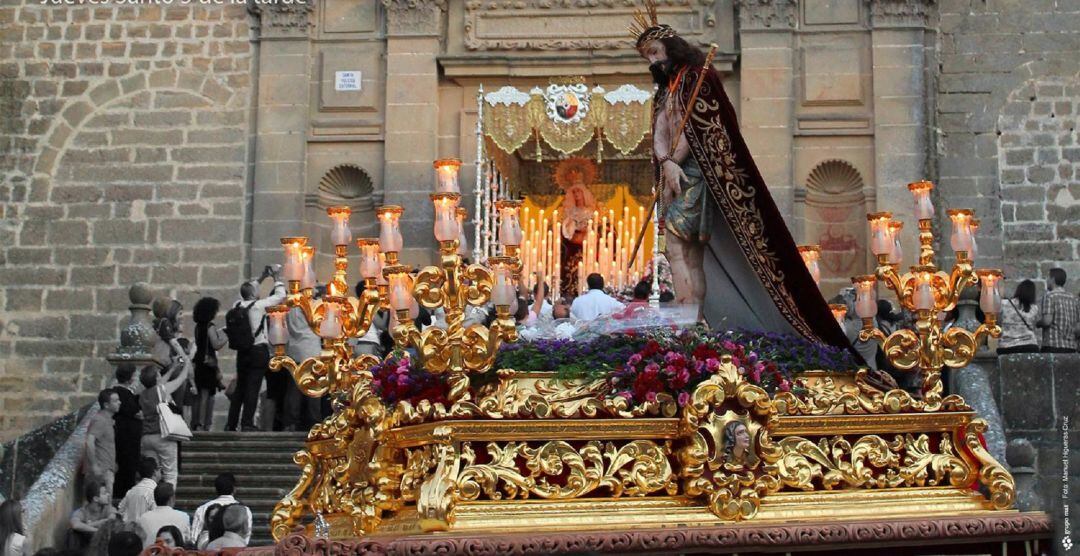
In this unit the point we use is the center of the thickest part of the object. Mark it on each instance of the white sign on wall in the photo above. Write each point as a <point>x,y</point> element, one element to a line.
<point>347,80</point>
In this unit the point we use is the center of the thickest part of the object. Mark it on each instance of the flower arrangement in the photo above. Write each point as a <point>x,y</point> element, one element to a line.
<point>397,378</point>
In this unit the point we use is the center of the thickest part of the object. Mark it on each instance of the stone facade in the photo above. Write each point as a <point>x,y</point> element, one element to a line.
<point>125,144</point>
<point>175,145</point>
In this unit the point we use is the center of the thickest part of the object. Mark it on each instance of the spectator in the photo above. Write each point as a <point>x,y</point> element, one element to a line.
<point>164,514</point>
<point>368,344</point>
<point>237,530</point>
<point>208,380</point>
<point>245,325</point>
<point>169,536</point>
<point>561,310</point>
<point>128,428</point>
<point>125,543</point>
<point>100,464</point>
<point>667,296</point>
<point>153,443</point>
<point>1018,320</point>
<point>1060,315</point>
<point>168,313</point>
<point>540,308</point>
<point>12,538</point>
<point>224,485</point>
<point>86,520</point>
<point>642,291</point>
<point>595,303</point>
<point>300,411</point>
<point>140,499</point>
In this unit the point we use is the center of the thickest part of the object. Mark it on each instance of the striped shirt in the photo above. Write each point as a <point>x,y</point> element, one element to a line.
<point>1062,310</point>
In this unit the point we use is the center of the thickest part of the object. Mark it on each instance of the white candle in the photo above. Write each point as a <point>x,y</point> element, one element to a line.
<point>924,297</point>
<point>277,331</point>
<point>330,328</point>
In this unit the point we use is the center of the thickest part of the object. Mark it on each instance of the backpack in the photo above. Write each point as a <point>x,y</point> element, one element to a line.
<point>238,327</point>
<point>215,520</point>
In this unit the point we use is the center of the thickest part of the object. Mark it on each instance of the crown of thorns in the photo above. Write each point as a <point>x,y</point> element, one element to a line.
<point>647,27</point>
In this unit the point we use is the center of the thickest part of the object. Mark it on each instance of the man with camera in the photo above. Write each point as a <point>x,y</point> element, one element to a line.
<point>245,325</point>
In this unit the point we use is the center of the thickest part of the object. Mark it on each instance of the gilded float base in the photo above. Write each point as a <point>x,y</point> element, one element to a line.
<point>677,511</point>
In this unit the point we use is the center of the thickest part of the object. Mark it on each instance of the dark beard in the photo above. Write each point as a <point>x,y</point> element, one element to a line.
<point>661,72</point>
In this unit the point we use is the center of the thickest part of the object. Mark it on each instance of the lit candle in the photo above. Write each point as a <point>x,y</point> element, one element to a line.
<point>880,241</point>
<point>390,240</point>
<point>974,250</point>
<point>896,254</point>
<point>307,252</point>
<point>446,175</point>
<point>446,222</point>
<point>924,296</point>
<point>990,292</point>
<point>503,293</point>
<point>294,263</point>
<point>811,255</point>
<point>960,239</point>
<point>924,208</point>
<point>400,293</point>
<point>369,257</point>
<point>865,296</point>
<point>330,327</point>
<point>340,234</point>
<point>277,332</point>
<point>839,312</point>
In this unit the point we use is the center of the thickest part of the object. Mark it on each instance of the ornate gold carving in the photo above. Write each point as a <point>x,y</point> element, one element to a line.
<point>825,397</point>
<point>517,469</point>
<point>992,474</point>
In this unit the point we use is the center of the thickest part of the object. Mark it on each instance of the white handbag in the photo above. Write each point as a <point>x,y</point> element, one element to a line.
<point>172,425</point>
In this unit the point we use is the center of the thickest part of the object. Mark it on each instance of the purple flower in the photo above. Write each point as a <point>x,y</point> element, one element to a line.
<point>684,398</point>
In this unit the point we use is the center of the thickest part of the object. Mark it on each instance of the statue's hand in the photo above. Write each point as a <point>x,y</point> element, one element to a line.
<point>673,179</point>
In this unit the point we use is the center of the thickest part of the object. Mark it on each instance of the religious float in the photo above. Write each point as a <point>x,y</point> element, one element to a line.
<point>646,440</point>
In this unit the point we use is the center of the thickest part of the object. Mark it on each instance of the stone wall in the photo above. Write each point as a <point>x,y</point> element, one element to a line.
<point>124,140</point>
<point>1007,140</point>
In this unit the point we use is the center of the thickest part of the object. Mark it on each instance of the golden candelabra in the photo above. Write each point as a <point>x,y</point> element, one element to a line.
<point>929,293</point>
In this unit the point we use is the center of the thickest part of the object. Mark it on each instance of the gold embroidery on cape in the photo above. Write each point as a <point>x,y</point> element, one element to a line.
<point>730,187</point>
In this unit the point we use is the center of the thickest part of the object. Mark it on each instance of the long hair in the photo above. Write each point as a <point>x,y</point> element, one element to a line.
<point>682,53</point>
<point>205,310</point>
<point>1025,294</point>
<point>10,520</point>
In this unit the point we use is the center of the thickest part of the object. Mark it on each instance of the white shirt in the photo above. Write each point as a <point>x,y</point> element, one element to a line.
<point>152,521</point>
<point>257,311</point>
<point>138,500</point>
<point>200,535</point>
<point>593,305</point>
<point>303,342</point>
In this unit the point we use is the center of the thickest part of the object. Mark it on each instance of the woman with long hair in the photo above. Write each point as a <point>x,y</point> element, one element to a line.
<point>128,426</point>
<point>154,445</point>
<point>208,380</point>
<point>12,538</point>
<point>1018,320</point>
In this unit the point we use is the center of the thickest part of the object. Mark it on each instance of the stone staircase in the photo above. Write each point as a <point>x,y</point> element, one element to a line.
<point>261,461</point>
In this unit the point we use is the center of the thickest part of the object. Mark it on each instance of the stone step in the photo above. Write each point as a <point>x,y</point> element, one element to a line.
<point>187,490</point>
<point>241,458</point>
<point>240,446</point>
<point>240,470</point>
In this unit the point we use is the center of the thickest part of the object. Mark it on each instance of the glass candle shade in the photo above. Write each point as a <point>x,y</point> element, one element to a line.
<point>294,263</point>
<point>990,291</point>
<point>389,228</point>
<point>369,257</point>
<point>276,330</point>
<point>510,226</point>
<point>446,175</point>
<point>503,292</point>
<point>924,207</point>
<point>839,312</point>
<point>960,239</point>
<point>896,254</point>
<point>340,234</point>
<point>308,254</point>
<point>380,278</point>
<point>811,255</point>
<point>400,292</point>
<point>865,296</point>
<point>974,250</point>
<point>330,327</point>
<point>446,222</point>
<point>463,240</point>
<point>924,295</point>
<point>881,242</point>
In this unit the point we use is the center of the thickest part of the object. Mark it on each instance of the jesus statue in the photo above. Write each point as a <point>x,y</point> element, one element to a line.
<point>730,252</point>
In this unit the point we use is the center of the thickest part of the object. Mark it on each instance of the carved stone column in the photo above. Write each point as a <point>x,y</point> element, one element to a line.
<point>412,114</point>
<point>284,58</point>
<point>137,337</point>
<point>767,88</point>
<point>902,49</point>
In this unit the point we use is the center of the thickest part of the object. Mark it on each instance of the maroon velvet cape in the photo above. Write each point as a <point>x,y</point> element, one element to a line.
<point>752,220</point>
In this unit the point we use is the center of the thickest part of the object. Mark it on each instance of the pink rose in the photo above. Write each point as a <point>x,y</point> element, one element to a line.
<point>684,398</point>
